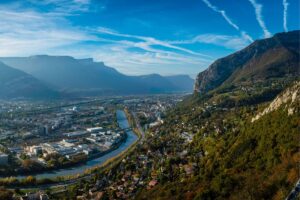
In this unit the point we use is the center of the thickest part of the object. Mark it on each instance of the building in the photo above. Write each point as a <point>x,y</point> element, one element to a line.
<point>107,144</point>
<point>35,150</point>
<point>3,159</point>
<point>87,151</point>
<point>43,130</point>
<point>35,196</point>
<point>49,148</point>
<point>94,129</point>
<point>67,143</point>
<point>75,134</point>
<point>152,183</point>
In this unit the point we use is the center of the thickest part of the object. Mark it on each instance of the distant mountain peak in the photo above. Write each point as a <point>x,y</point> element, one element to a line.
<point>85,77</point>
<point>273,57</point>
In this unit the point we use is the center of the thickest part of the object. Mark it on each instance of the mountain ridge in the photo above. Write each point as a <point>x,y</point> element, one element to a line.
<point>263,59</point>
<point>86,77</point>
<point>17,84</point>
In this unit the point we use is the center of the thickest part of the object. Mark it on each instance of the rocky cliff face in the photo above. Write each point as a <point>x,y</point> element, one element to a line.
<point>289,98</point>
<point>264,59</point>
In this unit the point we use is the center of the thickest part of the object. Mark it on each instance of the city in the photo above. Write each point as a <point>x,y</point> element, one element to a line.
<point>38,139</point>
<point>149,100</point>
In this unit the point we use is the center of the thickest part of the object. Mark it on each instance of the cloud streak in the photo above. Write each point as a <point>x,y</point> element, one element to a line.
<point>28,31</point>
<point>222,12</point>
<point>148,41</point>
<point>25,32</point>
<point>285,10</point>
<point>258,13</point>
<point>227,19</point>
<point>32,32</point>
<point>65,7</point>
<point>227,41</point>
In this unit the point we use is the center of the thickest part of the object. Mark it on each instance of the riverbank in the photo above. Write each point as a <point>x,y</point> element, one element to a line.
<point>70,165</point>
<point>98,165</point>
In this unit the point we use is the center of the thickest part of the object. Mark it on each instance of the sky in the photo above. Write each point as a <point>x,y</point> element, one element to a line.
<point>136,37</point>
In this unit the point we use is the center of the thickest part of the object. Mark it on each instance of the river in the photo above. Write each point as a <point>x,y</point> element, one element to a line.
<point>79,169</point>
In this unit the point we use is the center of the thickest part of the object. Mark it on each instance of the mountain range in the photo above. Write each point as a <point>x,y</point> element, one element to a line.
<point>16,83</point>
<point>49,76</point>
<point>85,77</point>
<point>275,57</point>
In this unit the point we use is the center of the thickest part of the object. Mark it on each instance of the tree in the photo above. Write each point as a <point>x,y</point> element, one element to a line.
<point>30,180</point>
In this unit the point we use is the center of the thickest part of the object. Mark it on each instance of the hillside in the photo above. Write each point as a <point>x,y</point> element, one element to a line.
<point>205,150</point>
<point>230,156</point>
<point>288,98</point>
<point>236,139</point>
<point>17,84</point>
<point>86,77</point>
<point>266,59</point>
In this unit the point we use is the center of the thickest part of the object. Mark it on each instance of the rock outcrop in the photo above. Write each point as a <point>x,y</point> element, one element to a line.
<point>289,97</point>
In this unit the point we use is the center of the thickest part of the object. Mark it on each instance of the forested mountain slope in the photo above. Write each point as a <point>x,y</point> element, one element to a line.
<point>210,150</point>
<point>230,156</point>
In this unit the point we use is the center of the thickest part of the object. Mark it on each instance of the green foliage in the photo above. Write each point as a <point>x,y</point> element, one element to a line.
<point>234,158</point>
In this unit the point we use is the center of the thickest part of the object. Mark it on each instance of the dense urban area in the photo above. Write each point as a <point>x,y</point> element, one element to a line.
<point>39,137</point>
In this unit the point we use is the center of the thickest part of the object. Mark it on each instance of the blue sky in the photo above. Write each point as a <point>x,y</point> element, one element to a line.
<point>142,36</point>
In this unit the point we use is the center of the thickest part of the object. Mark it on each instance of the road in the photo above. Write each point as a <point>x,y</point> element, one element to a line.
<point>138,125</point>
<point>295,192</point>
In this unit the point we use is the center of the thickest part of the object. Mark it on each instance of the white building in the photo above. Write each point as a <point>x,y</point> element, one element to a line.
<point>94,129</point>
<point>67,143</point>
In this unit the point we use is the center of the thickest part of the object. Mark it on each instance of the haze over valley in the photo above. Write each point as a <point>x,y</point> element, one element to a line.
<point>71,76</point>
<point>132,99</point>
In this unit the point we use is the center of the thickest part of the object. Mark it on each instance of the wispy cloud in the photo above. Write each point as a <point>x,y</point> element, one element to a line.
<point>29,30</point>
<point>222,12</point>
<point>258,13</point>
<point>285,10</point>
<point>33,32</point>
<point>26,32</point>
<point>140,62</point>
<point>227,19</point>
<point>65,7</point>
<point>228,41</point>
<point>148,41</point>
